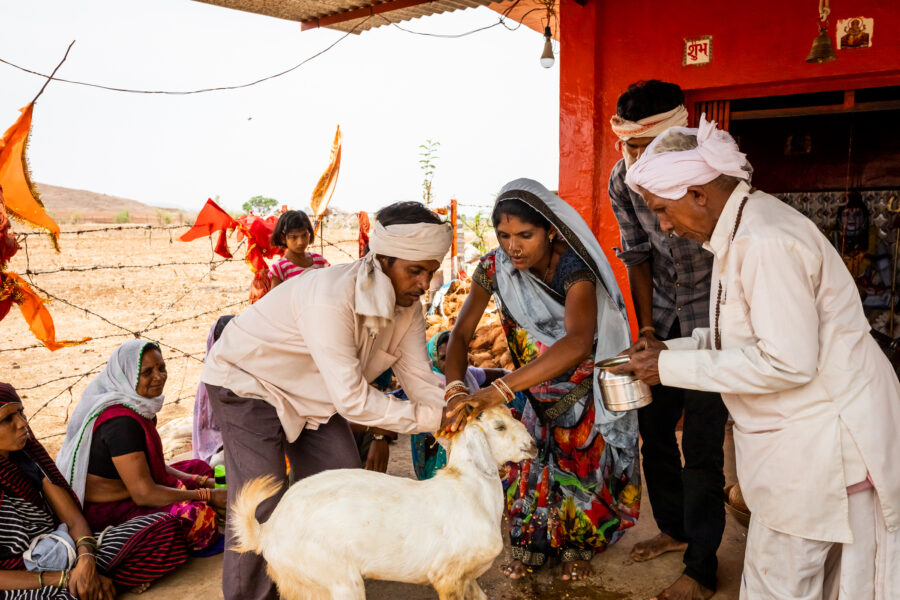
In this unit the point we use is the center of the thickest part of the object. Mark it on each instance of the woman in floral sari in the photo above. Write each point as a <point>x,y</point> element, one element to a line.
<point>560,308</point>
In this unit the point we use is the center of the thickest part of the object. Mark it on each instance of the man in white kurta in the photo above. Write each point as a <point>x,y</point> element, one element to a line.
<point>815,402</point>
<point>289,372</point>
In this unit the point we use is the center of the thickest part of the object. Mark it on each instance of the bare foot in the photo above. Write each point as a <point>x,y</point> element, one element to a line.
<point>685,588</point>
<point>513,569</point>
<point>652,548</point>
<point>575,570</point>
<point>141,588</point>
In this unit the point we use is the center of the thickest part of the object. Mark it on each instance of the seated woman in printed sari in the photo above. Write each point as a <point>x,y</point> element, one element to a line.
<point>113,457</point>
<point>560,308</point>
<point>35,500</point>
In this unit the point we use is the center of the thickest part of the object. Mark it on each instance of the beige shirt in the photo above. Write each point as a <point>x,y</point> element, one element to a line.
<point>304,350</point>
<point>798,371</point>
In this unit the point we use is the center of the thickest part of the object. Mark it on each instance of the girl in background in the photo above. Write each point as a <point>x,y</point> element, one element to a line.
<point>294,231</point>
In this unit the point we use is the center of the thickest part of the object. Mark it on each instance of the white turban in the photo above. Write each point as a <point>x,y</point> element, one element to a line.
<point>416,241</point>
<point>375,300</point>
<point>669,174</point>
<point>650,126</point>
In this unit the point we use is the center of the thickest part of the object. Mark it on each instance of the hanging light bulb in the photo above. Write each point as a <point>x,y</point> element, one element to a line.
<point>547,58</point>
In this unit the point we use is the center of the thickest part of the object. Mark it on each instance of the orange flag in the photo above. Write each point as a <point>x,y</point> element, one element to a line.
<point>321,196</point>
<point>20,194</point>
<point>14,290</point>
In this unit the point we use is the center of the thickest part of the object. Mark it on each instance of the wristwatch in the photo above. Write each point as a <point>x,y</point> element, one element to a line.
<point>378,437</point>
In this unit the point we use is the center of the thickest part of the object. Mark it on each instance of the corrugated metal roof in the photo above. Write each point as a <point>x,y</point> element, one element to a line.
<point>308,11</point>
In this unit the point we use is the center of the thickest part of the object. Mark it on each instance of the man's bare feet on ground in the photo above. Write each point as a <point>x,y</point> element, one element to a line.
<point>685,588</point>
<point>575,570</point>
<point>514,569</point>
<point>652,548</point>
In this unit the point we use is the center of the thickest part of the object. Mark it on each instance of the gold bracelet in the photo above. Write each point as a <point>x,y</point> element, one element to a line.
<point>77,558</point>
<point>646,328</point>
<point>456,386</point>
<point>456,395</point>
<point>504,389</point>
<point>63,577</point>
<point>41,579</point>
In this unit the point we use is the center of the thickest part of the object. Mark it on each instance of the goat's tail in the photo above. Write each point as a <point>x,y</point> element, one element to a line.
<point>242,514</point>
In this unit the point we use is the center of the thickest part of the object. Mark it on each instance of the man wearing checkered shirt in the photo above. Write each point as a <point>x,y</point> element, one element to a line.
<point>670,279</point>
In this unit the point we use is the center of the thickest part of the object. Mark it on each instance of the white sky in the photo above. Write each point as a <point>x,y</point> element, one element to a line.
<point>485,97</point>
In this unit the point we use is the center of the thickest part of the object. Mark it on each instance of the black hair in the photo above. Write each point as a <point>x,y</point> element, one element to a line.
<point>443,338</point>
<point>647,98</point>
<point>289,221</point>
<point>521,210</point>
<point>407,213</point>
<point>219,327</point>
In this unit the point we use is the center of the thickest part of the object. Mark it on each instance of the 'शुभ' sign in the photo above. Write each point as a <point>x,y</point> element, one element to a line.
<point>697,51</point>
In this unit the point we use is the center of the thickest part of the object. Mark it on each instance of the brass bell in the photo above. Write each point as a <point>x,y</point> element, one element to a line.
<point>822,50</point>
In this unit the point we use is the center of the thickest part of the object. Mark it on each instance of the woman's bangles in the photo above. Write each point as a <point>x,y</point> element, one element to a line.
<point>454,390</point>
<point>200,480</point>
<point>87,540</point>
<point>203,494</point>
<point>63,579</point>
<point>502,387</point>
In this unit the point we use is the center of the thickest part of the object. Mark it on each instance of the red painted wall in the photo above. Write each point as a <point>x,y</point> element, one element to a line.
<point>759,49</point>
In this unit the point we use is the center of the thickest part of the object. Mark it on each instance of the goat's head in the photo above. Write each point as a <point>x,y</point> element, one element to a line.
<point>506,437</point>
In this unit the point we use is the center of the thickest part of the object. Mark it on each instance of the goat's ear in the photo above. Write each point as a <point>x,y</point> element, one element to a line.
<point>480,451</point>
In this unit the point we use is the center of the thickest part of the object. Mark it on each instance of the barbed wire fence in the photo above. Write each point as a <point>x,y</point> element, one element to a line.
<point>152,328</point>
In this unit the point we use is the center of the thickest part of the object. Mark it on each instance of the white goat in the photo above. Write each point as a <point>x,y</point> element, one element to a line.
<point>332,530</point>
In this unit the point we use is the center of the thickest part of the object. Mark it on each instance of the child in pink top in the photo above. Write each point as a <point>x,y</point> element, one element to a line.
<point>294,231</point>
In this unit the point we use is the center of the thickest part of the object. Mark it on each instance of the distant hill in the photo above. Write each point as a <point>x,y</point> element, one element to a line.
<point>68,206</point>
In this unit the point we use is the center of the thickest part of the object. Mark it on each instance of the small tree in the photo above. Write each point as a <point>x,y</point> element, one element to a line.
<point>260,205</point>
<point>123,217</point>
<point>480,225</point>
<point>427,162</point>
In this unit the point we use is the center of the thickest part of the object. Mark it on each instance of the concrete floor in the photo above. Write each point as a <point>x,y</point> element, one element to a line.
<point>616,576</point>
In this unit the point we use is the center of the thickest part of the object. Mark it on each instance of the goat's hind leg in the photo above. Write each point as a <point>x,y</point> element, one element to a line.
<point>455,590</point>
<point>473,591</point>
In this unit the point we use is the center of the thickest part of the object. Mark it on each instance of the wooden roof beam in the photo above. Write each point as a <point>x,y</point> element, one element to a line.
<point>360,13</point>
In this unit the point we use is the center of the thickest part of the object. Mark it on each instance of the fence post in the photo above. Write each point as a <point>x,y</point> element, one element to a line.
<point>454,244</point>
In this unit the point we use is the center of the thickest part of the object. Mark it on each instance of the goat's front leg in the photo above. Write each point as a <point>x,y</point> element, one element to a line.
<point>474,591</point>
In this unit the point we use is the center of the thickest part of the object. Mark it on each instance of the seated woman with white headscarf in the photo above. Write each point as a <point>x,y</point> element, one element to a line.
<point>112,455</point>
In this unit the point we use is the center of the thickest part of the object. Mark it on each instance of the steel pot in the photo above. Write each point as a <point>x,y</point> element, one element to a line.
<point>621,392</point>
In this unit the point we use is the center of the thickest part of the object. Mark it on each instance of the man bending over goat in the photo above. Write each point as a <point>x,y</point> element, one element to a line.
<point>290,372</point>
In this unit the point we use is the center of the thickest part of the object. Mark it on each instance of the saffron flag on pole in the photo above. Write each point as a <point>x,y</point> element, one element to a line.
<point>20,195</point>
<point>323,191</point>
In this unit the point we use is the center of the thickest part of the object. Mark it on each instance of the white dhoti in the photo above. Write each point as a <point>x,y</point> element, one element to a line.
<point>778,566</point>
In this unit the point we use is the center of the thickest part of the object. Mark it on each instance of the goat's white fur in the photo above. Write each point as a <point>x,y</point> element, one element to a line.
<point>334,529</point>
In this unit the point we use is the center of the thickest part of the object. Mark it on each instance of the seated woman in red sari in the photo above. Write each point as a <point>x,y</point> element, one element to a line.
<point>36,500</point>
<point>113,458</point>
